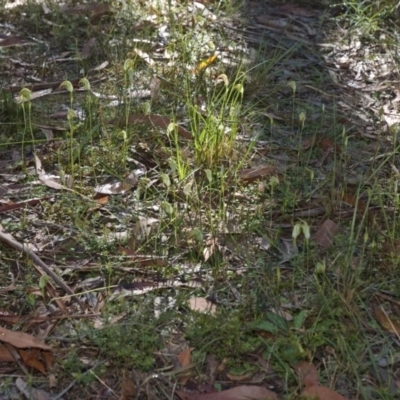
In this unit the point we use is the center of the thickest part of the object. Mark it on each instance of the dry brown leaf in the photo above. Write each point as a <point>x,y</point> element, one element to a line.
<point>30,359</point>
<point>59,115</point>
<point>48,359</point>
<point>21,340</point>
<point>184,357</point>
<point>390,324</point>
<point>264,364</point>
<point>390,247</point>
<point>105,10</point>
<point>282,313</point>
<point>51,128</point>
<point>101,198</point>
<point>128,386</point>
<point>212,366</point>
<point>24,204</point>
<point>7,41</point>
<point>249,175</point>
<point>48,133</point>
<point>113,188</point>
<point>321,393</point>
<point>47,179</point>
<point>326,144</point>
<point>49,182</point>
<point>201,304</point>
<point>88,47</point>
<point>30,392</point>
<point>184,360</point>
<point>52,381</point>
<point>326,233</point>
<point>239,378</point>
<point>210,247</point>
<point>354,201</point>
<point>307,143</point>
<point>307,373</point>
<point>274,23</point>
<point>236,393</point>
<point>308,376</point>
<point>5,355</point>
<point>360,205</point>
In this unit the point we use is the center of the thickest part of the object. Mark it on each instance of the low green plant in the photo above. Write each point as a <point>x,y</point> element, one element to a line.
<point>131,345</point>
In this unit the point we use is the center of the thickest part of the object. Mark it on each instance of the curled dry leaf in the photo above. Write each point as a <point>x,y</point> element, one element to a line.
<point>113,188</point>
<point>390,324</point>
<point>282,313</point>
<point>184,360</point>
<point>24,204</point>
<point>21,340</point>
<point>5,355</point>
<point>101,198</point>
<point>307,373</point>
<point>48,133</point>
<point>52,184</point>
<point>326,233</point>
<point>354,201</point>
<point>326,144</point>
<point>308,376</point>
<point>209,248</point>
<point>236,393</point>
<point>7,41</point>
<point>249,175</point>
<point>360,206</point>
<point>239,378</point>
<point>30,392</point>
<point>145,57</point>
<point>184,357</point>
<point>129,182</point>
<point>128,386</point>
<point>321,393</point>
<point>30,359</point>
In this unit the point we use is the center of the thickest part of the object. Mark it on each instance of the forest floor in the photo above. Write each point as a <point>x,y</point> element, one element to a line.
<point>199,200</point>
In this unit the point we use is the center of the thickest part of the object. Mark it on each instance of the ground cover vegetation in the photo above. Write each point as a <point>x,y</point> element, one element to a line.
<point>199,200</point>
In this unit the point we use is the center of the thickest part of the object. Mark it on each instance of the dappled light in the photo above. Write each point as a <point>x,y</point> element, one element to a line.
<point>199,199</point>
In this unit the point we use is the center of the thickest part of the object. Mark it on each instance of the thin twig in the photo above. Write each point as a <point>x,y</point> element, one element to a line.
<point>7,238</point>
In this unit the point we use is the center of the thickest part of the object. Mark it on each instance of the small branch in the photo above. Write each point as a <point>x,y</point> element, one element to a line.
<point>8,239</point>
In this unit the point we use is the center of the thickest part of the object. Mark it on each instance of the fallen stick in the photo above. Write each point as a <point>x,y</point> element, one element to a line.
<point>8,239</point>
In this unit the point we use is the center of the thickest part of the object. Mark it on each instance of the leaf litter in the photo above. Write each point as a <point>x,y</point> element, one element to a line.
<point>153,259</point>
